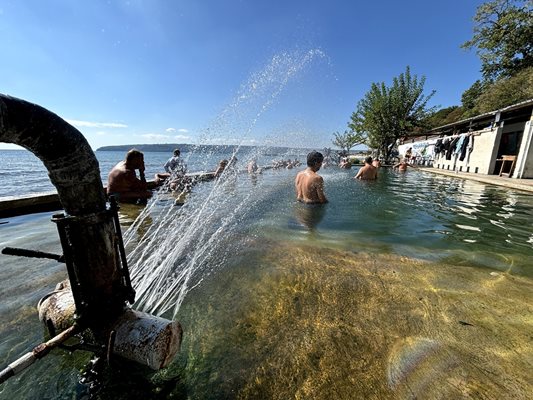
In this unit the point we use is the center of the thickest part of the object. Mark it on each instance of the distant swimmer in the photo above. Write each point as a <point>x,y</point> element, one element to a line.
<point>367,172</point>
<point>310,185</point>
<point>345,163</point>
<point>408,153</point>
<point>124,184</point>
<point>221,167</point>
<point>175,166</point>
<point>252,166</point>
<point>402,166</point>
<point>175,169</point>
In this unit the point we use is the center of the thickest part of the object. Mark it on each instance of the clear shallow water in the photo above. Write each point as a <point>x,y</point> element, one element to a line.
<point>392,286</point>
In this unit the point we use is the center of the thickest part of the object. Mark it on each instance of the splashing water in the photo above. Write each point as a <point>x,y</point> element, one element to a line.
<point>173,249</point>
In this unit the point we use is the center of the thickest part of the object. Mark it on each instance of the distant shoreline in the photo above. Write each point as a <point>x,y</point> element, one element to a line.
<point>186,148</point>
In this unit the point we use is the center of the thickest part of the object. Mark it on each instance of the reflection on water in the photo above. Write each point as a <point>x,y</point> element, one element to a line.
<point>413,286</point>
<point>308,216</point>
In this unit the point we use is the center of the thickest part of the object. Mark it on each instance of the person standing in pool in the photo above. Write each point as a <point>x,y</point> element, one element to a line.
<point>402,165</point>
<point>221,168</point>
<point>310,185</point>
<point>175,165</point>
<point>368,172</point>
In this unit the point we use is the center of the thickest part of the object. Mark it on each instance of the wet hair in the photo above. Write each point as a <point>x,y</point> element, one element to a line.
<point>314,158</point>
<point>368,160</point>
<point>133,154</point>
<point>176,152</point>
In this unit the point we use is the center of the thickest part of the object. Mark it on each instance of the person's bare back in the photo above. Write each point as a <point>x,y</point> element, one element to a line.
<point>122,181</point>
<point>310,185</point>
<point>368,172</point>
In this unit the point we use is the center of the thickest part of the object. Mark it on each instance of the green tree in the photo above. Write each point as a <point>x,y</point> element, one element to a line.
<point>387,113</point>
<point>348,140</point>
<point>444,116</point>
<point>469,98</point>
<point>503,32</point>
<point>506,91</point>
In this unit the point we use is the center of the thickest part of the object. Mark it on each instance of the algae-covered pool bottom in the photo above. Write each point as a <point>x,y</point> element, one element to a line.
<point>294,320</point>
<point>314,323</point>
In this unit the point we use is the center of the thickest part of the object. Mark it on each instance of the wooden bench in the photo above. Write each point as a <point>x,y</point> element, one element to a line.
<point>507,161</point>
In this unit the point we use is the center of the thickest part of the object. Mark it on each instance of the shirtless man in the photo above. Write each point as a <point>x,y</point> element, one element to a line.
<point>368,172</point>
<point>345,163</point>
<point>252,167</point>
<point>122,181</point>
<point>310,185</point>
<point>402,166</point>
<point>221,167</point>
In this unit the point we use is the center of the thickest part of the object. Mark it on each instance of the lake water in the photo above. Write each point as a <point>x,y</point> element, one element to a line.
<point>413,286</point>
<point>23,173</point>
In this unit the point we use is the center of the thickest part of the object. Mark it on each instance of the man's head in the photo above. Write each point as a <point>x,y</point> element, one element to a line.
<point>135,158</point>
<point>177,152</point>
<point>368,160</point>
<point>314,160</point>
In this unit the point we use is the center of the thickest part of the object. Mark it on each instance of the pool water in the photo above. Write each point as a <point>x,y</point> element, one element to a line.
<point>413,286</point>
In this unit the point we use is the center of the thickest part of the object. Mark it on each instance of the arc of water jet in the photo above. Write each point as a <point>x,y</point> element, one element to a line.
<point>191,226</point>
<point>166,264</point>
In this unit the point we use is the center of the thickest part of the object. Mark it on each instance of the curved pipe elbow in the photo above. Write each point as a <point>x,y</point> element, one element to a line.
<point>66,154</point>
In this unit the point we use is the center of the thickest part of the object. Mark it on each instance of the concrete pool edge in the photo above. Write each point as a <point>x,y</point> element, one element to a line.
<point>511,183</point>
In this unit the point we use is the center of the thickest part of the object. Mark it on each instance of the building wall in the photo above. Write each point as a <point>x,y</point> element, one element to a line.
<point>422,150</point>
<point>524,162</point>
<point>481,159</point>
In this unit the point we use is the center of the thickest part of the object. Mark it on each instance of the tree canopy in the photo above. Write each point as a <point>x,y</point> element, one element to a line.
<point>506,91</point>
<point>503,32</point>
<point>387,113</point>
<point>444,116</point>
<point>347,140</point>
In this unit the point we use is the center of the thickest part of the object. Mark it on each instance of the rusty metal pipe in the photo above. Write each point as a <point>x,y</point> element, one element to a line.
<point>89,237</point>
<point>66,154</point>
<point>135,336</point>
<point>38,352</point>
<point>74,171</point>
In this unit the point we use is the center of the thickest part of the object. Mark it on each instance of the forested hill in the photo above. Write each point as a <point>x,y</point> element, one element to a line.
<point>185,148</point>
<point>162,147</point>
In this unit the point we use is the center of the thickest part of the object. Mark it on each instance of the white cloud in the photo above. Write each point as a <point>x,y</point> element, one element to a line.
<point>170,130</point>
<point>179,137</point>
<point>232,141</point>
<point>155,136</point>
<point>183,130</point>
<point>88,124</point>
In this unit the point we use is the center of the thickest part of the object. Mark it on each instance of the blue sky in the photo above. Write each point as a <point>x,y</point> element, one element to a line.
<point>255,72</point>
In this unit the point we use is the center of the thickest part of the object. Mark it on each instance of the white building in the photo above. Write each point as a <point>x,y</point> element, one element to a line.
<point>495,143</point>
